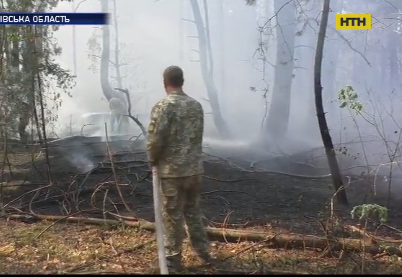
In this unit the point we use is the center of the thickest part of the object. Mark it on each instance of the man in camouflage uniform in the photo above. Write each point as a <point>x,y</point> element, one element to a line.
<point>175,147</point>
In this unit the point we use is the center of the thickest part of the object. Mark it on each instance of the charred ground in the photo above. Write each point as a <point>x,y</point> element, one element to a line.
<point>232,198</point>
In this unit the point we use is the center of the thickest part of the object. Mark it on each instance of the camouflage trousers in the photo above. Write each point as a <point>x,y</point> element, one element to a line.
<point>181,204</point>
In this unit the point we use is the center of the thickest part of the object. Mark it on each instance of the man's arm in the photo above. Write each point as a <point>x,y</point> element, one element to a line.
<point>157,130</point>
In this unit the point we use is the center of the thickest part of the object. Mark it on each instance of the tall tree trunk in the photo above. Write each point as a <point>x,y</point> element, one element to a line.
<point>330,62</point>
<point>23,110</point>
<point>29,112</point>
<point>304,64</point>
<point>117,64</point>
<point>278,119</point>
<point>75,70</point>
<point>181,32</point>
<point>105,56</point>
<point>207,69</point>
<point>124,121</point>
<point>222,55</point>
<point>37,82</point>
<point>74,42</point>
<point>74,37</point>
<point>118,121</point>
<point>322,122</point>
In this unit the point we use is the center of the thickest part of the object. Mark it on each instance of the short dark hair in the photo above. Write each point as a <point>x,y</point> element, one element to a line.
<point>173,76</point>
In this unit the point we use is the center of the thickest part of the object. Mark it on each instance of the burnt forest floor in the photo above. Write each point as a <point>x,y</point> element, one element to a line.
<point>35,241</point>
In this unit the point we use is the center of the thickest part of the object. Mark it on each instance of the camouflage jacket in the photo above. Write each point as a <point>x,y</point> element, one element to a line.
<point>175,136</point>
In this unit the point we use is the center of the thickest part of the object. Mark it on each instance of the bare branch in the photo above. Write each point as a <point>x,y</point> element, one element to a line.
<point>188,20</point>
<point>272,17</point>
<point>111,62</point>
<point>78,5</point>
<point>126,92</point>
<point>350,46</point>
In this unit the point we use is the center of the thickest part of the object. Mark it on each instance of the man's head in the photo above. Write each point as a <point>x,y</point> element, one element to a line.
<point>173,78</point>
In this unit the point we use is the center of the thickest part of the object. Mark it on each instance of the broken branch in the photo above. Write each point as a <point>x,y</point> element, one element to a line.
<point>234,235</point>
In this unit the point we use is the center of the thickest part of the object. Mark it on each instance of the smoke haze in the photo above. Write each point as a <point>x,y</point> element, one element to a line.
<point>156,34</point>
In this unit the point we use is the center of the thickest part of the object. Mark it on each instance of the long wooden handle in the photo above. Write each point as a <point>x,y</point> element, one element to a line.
<point>158,221</point>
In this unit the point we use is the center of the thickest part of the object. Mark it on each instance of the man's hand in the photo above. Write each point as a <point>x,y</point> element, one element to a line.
<point>151,164</point>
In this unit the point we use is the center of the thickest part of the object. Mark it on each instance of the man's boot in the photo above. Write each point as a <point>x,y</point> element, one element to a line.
<point>174,265</point>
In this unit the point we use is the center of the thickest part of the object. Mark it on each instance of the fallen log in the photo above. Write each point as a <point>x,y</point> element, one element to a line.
<point>294,241</point>
<point>264,272</point>
<point>216,272</point>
